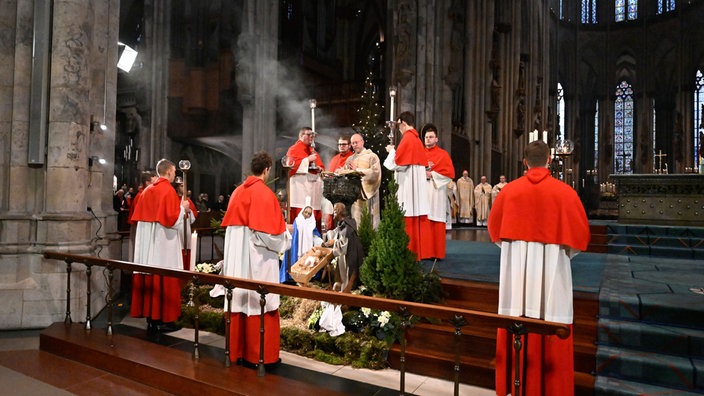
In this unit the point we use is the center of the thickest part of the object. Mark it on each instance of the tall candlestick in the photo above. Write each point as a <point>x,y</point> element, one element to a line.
<point>312,114</point>
<point>392,97</point>
<point>194,244</point>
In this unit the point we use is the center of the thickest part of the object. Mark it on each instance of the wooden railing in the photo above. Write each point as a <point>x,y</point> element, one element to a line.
<point>459,318</point>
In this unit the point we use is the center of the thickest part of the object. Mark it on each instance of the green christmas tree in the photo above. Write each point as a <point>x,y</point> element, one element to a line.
<point>365,228</point>
<point>390,270</point>
<point>370,126</point>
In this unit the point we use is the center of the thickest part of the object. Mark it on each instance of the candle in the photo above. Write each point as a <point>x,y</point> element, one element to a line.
<point>392,97</point>
<point>312,114</point>
<point>391,111</point>
<point>552,152</point>
<point>194,243</point>
<point>545,137</point>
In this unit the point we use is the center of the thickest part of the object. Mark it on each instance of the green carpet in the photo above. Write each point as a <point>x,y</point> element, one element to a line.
<point>479,261</point>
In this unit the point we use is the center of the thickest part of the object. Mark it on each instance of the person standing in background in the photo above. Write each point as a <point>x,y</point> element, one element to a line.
<point>409,163</point>
<point>367,163</point>
<point>304,176</point>
<point>465,192</point>
<point>482,201</point>
<point>147,178</point>
<point>439,174</point>
<point>497,188</point>
<point>159,215</point>
<point>344,152</point>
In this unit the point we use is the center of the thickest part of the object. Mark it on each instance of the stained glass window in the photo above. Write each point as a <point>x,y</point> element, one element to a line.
<point>666,6</point>
<point>589,11</point>
<point>654,130</point>
<point>560,112</point>
<point>698,120</point>
<point>623,129</point>
<point>626,9</point>
<point>596,137</point>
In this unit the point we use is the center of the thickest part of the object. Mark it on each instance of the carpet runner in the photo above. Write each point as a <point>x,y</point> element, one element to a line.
<point>651,316</point>
<point>651,321</point>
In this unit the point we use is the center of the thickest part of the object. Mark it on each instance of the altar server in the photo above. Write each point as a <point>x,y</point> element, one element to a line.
<point>439,174</point>
<point>540,224</point>
<point>255,235</point>
<point>408,163</point>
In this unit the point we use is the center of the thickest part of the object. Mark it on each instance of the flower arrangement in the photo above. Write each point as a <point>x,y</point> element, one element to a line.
<point>384,325</point>
<point>210,268</point>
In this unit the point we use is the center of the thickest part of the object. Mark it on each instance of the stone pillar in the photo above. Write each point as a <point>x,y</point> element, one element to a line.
<point>154,142</point>
<point>405,43</point>
<point>257,73</point>
<point>43,207</point>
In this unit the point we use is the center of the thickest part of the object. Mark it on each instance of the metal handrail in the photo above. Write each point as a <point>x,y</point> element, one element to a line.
<point>458,317</point>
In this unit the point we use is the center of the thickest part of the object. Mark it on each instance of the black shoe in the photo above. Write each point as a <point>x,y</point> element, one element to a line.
<point>153,325</point>
<point>267,366</point>
<point>168,327</point>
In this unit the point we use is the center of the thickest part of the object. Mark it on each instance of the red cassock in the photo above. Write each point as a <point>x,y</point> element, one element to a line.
<point>435,246</point>
<point>298,152</point>
<point>538,208</point>
<point>410,151</point>
<point>338,161</point>
<point>255,206</point>
<point>134,205</point>
<point>154,296</point>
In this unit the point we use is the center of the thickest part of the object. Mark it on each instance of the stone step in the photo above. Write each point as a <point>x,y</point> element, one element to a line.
<point>605,386</point>
<point>662,339</point>
<point>635,249</point>
<point>691,232</point>
<point>649,368</point>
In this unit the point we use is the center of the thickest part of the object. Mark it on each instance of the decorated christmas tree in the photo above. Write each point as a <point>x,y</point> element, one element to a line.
<point>370,126</point>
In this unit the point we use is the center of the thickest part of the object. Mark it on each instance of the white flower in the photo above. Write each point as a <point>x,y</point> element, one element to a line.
<point>383,318</point>
<point>366,311</point>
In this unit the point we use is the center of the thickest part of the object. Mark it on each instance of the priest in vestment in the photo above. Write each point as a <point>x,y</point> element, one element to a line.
<point>408,163</point>
<point>482,201</point>
<point>255,235</point>
<point>540,224</point>
<point>439,174</point>
<point>497,188</point>
<point>465,193</point>
<point>452,205</point>
<point>367,163</point>
<point>159,215</point>
<point>304,176</point>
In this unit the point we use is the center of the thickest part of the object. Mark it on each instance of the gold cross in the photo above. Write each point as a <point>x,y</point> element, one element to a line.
<point>659,155</point>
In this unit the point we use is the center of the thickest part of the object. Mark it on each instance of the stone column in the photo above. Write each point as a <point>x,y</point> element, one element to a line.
<point>43,206</point>
<point>257,75</point>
